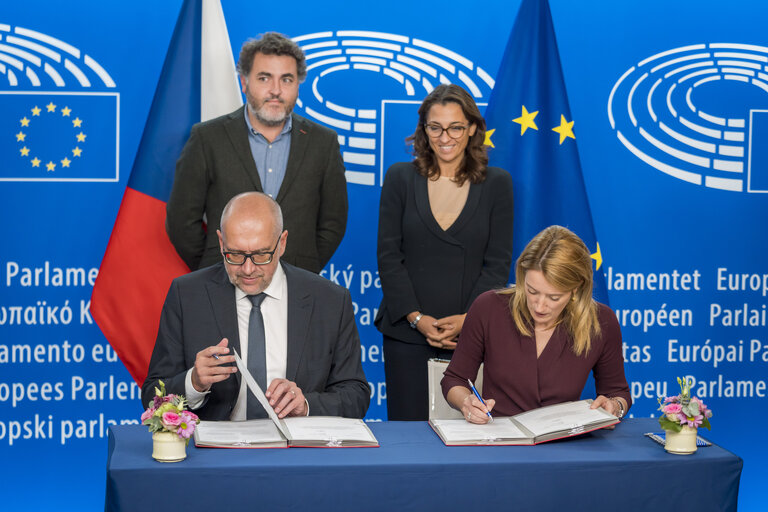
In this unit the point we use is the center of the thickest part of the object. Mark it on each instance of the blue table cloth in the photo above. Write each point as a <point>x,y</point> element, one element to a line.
<point>412,470</point>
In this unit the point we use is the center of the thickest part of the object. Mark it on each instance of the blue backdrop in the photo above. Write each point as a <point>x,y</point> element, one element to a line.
<point>669,104</point>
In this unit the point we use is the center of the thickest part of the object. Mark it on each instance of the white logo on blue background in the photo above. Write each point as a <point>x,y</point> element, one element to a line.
<point>379,73</point>
<point>59,121</point>
<point>697,113</point>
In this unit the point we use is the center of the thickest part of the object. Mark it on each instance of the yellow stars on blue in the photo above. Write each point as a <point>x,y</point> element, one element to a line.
<point>526,120</point>
<point>565,129</point>
<point>598,257</point>
<point>488,141</point>
<point>25,137</point>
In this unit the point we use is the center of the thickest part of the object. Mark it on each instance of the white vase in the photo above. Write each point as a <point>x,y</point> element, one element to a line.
<point>168,447</point>
<point>681,443</point>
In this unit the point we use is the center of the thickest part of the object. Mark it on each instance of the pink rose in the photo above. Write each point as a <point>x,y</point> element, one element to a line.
<point>171,420</point>
<point>147,414</point>
<point>189,416</point>
<point>672,408</point>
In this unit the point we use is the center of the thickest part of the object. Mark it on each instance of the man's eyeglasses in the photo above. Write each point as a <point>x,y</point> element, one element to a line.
<point>455,131</point>
<point>257,258</point>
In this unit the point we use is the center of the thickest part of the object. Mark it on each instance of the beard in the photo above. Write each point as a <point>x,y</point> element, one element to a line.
<point>266,115</point>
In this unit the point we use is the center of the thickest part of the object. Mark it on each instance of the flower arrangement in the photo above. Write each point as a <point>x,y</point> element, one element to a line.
<point>683,410</point>
<point>168,413</point>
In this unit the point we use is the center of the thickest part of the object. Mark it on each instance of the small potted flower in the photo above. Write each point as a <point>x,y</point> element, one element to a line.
<point>171,425</point>
<point>681,416</point>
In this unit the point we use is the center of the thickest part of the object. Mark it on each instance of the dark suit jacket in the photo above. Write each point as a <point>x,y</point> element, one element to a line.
<point>216,164</point>
<point>323,345</point>
<point>424,268</point>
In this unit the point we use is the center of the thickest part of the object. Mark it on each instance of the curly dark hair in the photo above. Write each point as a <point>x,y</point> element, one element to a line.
<point>473,166</point>
<point>271,43</point>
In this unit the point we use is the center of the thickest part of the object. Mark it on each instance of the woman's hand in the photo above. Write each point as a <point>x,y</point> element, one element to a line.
<point>611,406</point>
<point>449,328</point>
<point>474,411</point>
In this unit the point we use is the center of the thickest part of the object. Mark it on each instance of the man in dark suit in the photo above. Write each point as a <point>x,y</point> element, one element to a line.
<point>309,341</point>
<point>262,146</point>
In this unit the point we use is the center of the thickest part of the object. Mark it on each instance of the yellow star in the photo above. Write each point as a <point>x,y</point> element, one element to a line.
<point>51,107</point>
<point>65,111</point>
<point>35,162</point>
<point>80,137</point>
<point>598,257</point>
<point>51,166</point>
<point>24,121</point>
<point>24,151</point>
<point>77,122</point>
<point>36,111</point>
<point>488,141</point>
<point>77,151</point>
<point>20,136</point>
<point>526,120</point>
<point>66,162</point>
<point>565,129</point>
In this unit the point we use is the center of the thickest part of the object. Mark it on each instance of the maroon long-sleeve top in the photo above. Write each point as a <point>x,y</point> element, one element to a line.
<point>515,377</point>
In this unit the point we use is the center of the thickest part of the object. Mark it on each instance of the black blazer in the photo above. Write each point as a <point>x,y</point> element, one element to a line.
<point>424,268</point>
<point>323,344</point>
<point>216,164</point>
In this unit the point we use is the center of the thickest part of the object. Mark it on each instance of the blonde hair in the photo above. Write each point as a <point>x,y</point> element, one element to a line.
<point>567,265</point>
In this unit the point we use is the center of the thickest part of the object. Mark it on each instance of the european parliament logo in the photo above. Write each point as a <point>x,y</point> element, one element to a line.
<point>56,122</point>
<point>697,113</point>
<point>384,77</point>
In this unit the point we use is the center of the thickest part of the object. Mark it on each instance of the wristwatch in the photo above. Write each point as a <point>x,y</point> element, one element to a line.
<point>415,321</point>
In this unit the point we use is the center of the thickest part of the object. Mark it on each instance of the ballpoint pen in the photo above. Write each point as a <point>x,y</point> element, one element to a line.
<point>474,390</point>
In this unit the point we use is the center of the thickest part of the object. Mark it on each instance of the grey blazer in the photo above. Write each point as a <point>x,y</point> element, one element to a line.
<point>323,344</point>
<point>216,164</point>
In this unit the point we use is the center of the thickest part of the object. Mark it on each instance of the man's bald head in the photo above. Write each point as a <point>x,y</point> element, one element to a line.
<point>253,206</point>
<point>252,232</point>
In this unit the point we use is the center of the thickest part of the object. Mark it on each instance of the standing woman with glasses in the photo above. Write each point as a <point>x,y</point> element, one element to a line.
<point>445,237</point>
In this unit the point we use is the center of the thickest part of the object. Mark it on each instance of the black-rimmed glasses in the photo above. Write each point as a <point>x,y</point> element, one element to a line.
<point>257,258</point>
<point>455,131</point>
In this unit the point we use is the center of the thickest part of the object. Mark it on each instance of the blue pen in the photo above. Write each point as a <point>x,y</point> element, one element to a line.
<point>474,390</point>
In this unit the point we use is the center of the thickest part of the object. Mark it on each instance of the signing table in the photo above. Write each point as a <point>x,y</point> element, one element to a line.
<point>412,470</point>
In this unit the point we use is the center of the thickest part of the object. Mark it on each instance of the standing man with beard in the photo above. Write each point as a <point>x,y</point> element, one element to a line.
<point>262,146</point>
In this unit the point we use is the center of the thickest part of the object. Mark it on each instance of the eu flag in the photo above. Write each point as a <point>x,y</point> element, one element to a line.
<point>531,134</point>
<point>198,75</point>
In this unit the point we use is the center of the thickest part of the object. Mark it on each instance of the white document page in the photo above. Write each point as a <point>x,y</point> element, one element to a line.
<point>559,417</point>
<point>254,387</point>
<point>460,430</point>
<point>327,428</point>
<point>238,432</point>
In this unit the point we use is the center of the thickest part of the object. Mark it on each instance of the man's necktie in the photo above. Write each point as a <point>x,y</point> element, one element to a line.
<point>257,355</point>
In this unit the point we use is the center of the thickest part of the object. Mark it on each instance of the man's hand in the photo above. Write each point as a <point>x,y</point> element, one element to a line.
<point>286,398</point>
<point>209,367</point>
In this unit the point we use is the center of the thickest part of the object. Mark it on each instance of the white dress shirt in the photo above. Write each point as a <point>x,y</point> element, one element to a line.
<point>274,310</point>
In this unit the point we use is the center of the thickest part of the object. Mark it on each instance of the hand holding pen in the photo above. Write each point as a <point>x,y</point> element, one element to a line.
<point>212,364</point>
<point>477,409</point>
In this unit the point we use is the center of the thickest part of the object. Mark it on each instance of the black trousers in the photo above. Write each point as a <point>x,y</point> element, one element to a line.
<point>405,368</point>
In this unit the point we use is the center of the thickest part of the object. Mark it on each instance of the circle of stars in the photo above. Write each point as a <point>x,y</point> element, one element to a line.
<point>50,108</point>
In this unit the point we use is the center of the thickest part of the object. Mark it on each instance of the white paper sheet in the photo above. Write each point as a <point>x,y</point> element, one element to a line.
<point>328,428</point>
<point>461,430</point>
<point>560,417</point>
<point>254,387</point>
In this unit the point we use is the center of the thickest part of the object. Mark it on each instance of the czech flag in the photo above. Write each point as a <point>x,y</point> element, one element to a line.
<point>198,82</point>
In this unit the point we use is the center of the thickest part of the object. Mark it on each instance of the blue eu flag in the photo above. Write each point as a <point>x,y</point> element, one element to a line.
<point>531,134</point>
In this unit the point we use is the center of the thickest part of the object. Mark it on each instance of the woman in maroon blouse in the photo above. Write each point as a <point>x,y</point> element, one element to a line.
<point>540,339</point>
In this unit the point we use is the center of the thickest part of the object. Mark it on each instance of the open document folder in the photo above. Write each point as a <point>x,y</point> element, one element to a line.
<point>532,427</point>
<point>305,431</point>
